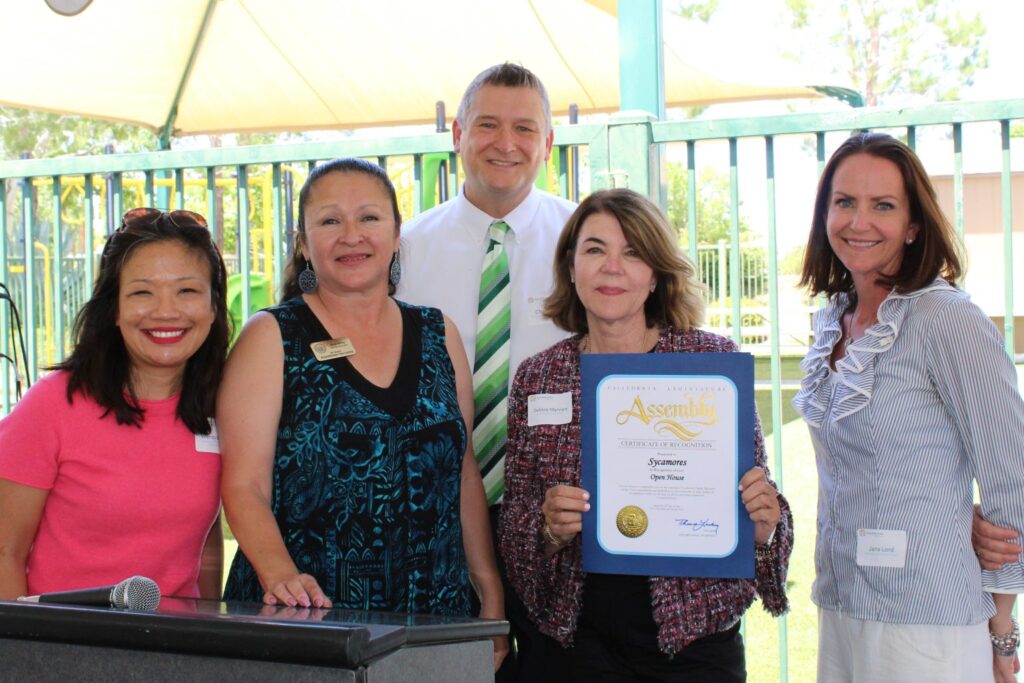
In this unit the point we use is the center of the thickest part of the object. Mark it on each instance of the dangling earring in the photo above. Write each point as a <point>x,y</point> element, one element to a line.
<point>653,286</point>
<point>395,275</point>
<point>307,280</point>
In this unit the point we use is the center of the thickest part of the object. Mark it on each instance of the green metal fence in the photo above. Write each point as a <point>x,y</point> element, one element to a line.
<point>55,214</point>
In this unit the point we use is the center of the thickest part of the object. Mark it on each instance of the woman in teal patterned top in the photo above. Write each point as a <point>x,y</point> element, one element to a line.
<point>358,488</point>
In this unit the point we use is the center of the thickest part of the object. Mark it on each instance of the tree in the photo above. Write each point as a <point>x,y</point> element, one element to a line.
<point>43,135</point>
<point>713,210</point>
<point>701,11</point>
<point>893,49</point>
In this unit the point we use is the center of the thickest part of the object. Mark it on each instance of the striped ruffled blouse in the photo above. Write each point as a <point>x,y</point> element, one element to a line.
<point>921,406</point>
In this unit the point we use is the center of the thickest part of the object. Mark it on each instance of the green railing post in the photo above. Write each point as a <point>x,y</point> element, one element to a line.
<point>117,201</point>
<point>90,225</point>
<point>417,183</point>
<point>57,258</point>
<point>211,203</point>
<point>630,160</point>
<point>958,179</point>
<point>776,363</point>
<point>278,228</point>
<point>5,318</point>
<point>29,317</point>
<point>736,260</point>
<point>691,198</point>
<point>722,281</point>
<point>179,189</point>
<point>243,237</point>
<point>1006,187</point>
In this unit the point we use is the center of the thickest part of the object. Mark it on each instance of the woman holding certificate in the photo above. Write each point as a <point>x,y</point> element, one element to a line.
<point>622,286</point>
<point>910,399</point>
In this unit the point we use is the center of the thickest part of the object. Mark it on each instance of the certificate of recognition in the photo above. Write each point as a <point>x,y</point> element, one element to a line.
<point>666,438</point>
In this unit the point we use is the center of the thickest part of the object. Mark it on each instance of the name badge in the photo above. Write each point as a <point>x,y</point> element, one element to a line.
<point>881,548</point>
<point>208,443</point>
<point>333,348</point>
<point>549,409</point>
<point>535,304</point>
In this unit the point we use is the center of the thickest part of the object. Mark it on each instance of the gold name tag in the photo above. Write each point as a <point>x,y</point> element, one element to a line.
<point>332,348</point>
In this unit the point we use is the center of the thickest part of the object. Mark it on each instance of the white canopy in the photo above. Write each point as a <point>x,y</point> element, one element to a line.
<point>209,66</point>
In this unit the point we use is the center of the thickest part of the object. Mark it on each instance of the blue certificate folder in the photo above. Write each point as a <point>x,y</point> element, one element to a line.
<point>609,552</point>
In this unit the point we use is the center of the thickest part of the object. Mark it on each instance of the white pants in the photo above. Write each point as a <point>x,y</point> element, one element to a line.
<point>858,651</point>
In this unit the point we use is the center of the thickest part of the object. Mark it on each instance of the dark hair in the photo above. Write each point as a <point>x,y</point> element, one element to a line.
<point>99,365</point>
<point>676,299</point>
<point>505,75</point>
<point>290,286</point>
<point>934,251</point>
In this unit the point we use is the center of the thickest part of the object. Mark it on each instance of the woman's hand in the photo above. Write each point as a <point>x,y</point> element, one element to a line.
<point>563,510</point>
<point>500,650</point>
<point>762,503</point>
<point>1005,668</point>
<point>994,545</point>
<point>297,590</point>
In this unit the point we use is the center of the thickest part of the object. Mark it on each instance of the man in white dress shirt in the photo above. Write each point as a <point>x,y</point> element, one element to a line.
<point>503,134</point>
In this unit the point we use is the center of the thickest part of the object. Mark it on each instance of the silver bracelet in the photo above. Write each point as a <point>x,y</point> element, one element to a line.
<point>1006,645</point>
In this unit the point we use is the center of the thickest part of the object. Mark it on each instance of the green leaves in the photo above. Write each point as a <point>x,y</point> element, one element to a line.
<point>45,135</point>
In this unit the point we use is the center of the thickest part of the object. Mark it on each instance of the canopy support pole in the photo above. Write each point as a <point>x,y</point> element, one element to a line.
<point>641,57</point>
<point>168,128</point>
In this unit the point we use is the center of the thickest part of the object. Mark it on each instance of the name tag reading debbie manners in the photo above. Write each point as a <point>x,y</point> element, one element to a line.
<point>549,409</point>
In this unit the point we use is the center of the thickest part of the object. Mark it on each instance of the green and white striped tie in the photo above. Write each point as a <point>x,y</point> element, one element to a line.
<point>490,369</point>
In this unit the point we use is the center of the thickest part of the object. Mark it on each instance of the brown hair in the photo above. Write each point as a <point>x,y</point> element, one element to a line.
<point>505,75</point>
<point>676,299</point>
<point>935,250</point>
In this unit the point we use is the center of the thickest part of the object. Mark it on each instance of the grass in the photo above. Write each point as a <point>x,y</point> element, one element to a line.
<point>800,485</point>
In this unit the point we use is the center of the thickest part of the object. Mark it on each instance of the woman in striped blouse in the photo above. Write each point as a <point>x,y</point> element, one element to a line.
<point>910,398</point>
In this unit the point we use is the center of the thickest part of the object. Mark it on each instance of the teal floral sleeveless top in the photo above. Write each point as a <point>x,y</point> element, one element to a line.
<point>366,480</point>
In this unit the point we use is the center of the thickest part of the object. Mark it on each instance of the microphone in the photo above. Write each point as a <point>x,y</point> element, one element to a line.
<point>135,593</point>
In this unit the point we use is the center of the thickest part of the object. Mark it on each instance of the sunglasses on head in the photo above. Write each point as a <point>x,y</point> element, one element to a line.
<point>148,215</point>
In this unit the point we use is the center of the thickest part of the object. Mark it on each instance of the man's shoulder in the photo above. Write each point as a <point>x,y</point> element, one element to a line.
<point>555,200</point>
<point>431,219</point>
<point>551,203</point>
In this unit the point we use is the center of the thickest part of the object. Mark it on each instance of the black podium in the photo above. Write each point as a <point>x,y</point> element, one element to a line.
<point>204,640</point>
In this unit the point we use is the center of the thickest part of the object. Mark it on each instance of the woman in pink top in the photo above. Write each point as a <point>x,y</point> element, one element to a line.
<point>109,467</point>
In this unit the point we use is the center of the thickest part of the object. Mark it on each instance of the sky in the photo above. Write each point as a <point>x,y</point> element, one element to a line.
<point>749,23</point>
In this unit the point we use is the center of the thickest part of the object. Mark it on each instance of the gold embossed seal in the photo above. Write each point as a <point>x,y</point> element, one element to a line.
<point>631,521</point>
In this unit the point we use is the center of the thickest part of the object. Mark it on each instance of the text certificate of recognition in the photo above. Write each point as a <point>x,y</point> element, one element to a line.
<point>666,438</point>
